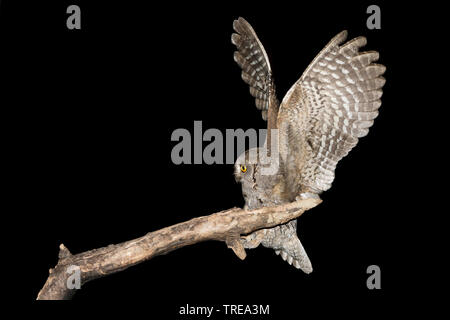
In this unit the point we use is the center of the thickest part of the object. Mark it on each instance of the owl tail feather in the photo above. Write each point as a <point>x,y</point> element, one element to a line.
<point>294,254</point>
<point>284,240</point>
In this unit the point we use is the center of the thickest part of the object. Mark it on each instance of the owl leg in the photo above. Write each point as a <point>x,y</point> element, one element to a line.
<point>254,239</point>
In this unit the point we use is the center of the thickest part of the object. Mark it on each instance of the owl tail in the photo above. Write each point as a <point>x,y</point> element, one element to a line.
<point>284,240</point>
<point>295,254</point>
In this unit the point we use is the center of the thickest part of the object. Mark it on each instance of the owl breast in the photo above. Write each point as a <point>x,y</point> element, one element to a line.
<point>264,193</point>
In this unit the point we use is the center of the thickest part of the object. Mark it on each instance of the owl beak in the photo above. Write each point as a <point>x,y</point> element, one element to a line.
<point>237,177</point>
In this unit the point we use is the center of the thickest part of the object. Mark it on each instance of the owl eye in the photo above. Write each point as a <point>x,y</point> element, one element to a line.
<point>243,169</point>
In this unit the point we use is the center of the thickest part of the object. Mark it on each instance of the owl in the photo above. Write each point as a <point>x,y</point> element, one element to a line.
<point>320,119</point>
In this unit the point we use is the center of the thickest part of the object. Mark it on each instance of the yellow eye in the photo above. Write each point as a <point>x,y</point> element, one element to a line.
<point>243,169</point>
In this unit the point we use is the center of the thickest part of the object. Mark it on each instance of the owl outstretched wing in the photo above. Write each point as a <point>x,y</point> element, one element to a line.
<point>327,110</point>
<point>256,72</point>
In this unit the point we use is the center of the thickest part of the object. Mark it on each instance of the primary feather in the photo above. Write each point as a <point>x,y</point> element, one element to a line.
<point>255,65</point>
<point>325,112</point>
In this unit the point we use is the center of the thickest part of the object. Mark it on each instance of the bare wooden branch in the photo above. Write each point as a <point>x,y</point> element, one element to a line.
<point>227,225</point>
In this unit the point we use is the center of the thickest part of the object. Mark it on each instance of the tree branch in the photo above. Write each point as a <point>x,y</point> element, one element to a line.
<point>227,225</point>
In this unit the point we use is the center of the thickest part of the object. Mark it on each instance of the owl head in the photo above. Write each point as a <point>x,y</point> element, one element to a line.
<point>255,184</point>
<point>246,173</point>
<point>246,166</point>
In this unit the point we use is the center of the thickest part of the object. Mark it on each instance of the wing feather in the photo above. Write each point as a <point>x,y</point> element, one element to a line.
<point>331,106</point>
<point>256,72</point>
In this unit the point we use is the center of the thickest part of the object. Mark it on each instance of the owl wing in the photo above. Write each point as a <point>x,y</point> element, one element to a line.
<point>326,111</point>
<point>256,72</point>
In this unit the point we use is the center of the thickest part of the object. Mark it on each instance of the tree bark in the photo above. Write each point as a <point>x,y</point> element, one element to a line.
<point>227,226</point>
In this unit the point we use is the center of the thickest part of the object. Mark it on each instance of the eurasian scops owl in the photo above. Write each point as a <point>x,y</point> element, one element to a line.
<point>321,118</point>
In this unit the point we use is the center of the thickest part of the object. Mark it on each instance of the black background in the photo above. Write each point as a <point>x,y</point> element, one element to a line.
<point>103,101</point>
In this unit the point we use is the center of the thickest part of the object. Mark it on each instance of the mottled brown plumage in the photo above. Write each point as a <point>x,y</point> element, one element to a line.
<point>256,72</point>
<point>321,118</point>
